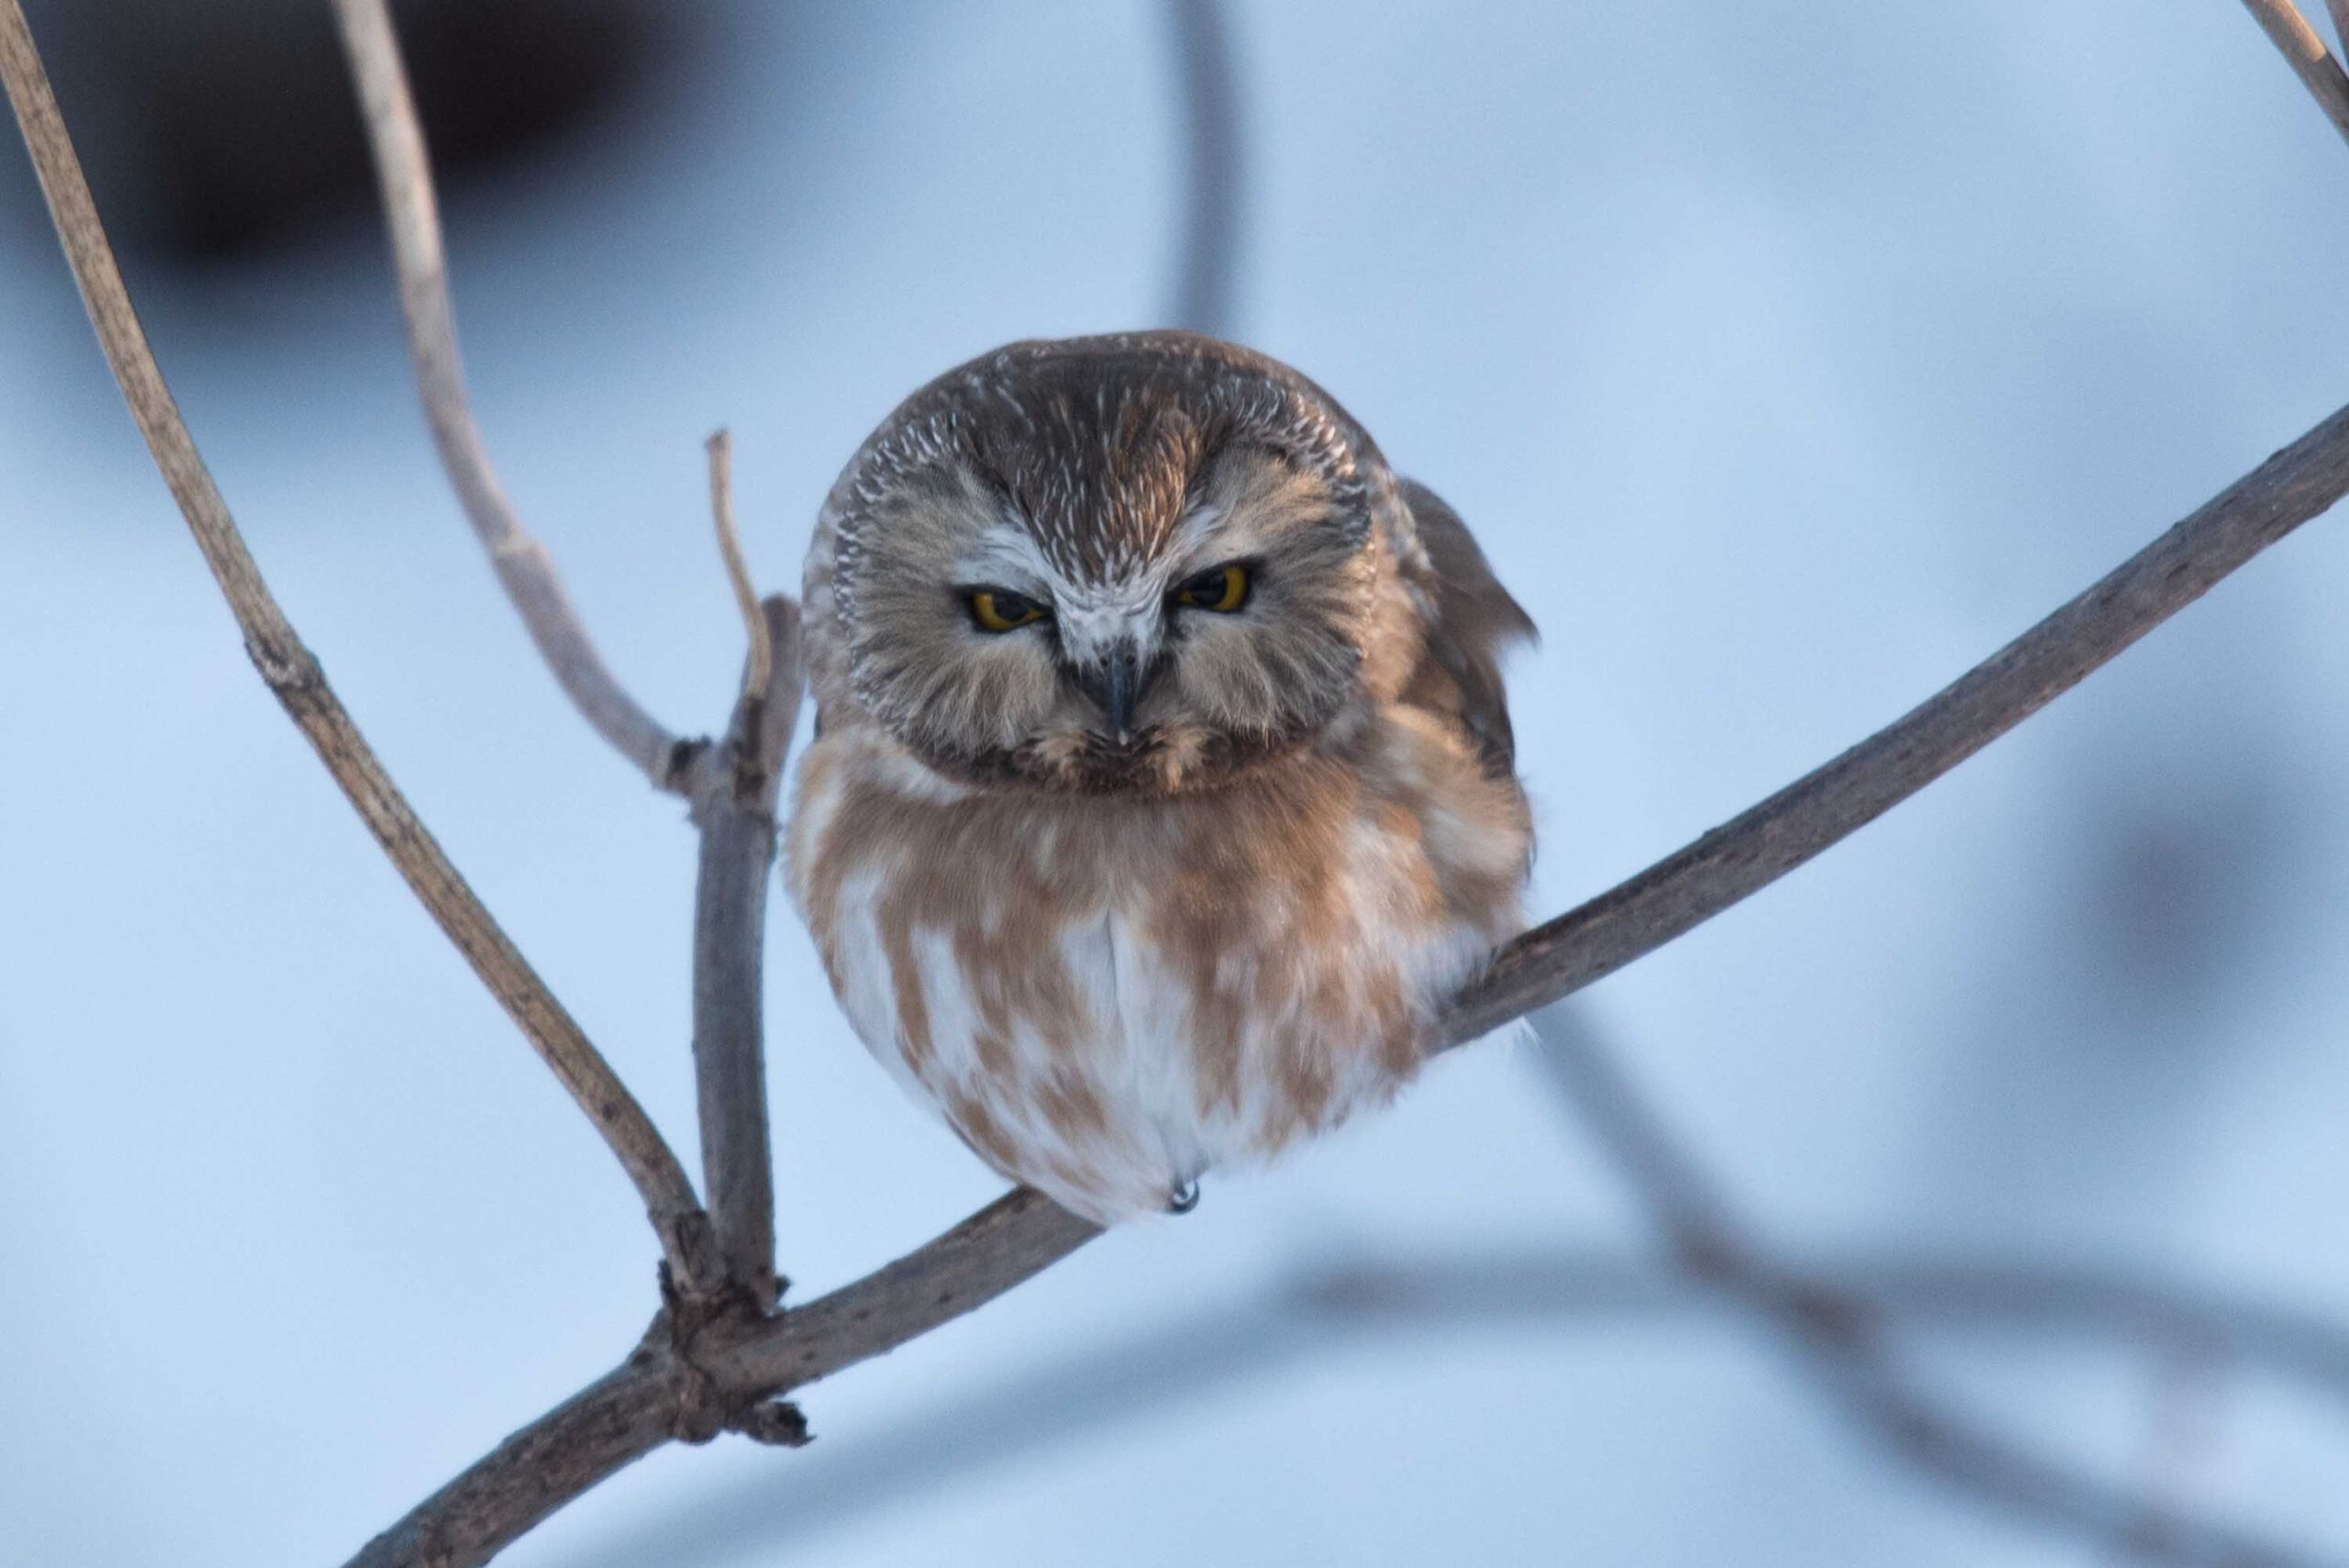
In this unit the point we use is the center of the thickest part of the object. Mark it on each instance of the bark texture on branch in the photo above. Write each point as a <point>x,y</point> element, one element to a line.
<point>734,807</point>
<point>618,1418</point>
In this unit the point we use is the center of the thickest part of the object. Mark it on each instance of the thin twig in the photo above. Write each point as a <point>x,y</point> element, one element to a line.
<point>720,447</point>
<point>2314,64</point>
<point>411,212</point>
<point>293,672</point>
<point>1206,271</point>
<point>2339,9</point>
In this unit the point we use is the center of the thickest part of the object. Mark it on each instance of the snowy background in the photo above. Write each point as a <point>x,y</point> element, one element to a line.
<point>1788,356</point>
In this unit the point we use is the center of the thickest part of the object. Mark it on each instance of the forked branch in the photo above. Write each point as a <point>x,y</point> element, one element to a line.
<point>732,785</point>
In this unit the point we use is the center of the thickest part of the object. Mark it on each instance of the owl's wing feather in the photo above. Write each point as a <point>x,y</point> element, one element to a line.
<point>1474,623</point>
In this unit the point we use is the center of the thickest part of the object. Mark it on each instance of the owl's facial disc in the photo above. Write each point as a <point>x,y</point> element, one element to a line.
<point>1225,639</point>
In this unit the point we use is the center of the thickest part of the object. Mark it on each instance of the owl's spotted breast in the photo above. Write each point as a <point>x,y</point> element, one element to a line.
<point>1107,995</point>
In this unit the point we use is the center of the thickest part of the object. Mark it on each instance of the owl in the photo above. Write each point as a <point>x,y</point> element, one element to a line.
<point>1163,788</point>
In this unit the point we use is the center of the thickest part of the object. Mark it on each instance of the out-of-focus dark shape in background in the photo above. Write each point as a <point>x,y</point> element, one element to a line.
<point>216,133</point>
<point>1786,357</point>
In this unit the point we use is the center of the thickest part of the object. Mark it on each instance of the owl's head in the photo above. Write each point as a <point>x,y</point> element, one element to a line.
<point>1142,562</point>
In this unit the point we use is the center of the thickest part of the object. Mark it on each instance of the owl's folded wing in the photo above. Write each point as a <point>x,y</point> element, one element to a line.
<point>1475,620</point>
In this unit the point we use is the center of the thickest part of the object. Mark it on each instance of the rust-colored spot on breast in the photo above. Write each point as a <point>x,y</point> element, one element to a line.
<point>904,984</point>
<point>1072,1105</point>
<point>994,1053</point>
<point>984,1133</point>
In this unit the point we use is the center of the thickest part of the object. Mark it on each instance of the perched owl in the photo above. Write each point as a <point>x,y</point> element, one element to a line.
<point>1163,786</point>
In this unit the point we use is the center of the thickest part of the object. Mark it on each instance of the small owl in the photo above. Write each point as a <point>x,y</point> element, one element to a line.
<point>1163,788</point>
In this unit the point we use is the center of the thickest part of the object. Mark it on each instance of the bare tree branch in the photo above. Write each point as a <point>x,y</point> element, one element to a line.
<point>732,786</point>
<point>1207,274</point>
<point>2318,70</point>
<point>621,1417</point>
<point>411,212</point>
<point>293,672</point>
<point>720,447</point>
<point>2339,9</point>
<point>1832,801</point>
<point>570,1449</point>
<point>733,789</point>
<point>734,805</point>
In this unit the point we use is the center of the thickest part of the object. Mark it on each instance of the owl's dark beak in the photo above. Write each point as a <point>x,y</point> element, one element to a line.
<point>1115,685</point>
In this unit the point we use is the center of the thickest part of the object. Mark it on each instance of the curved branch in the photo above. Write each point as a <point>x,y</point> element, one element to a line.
<point>404,172</point>
<point>292,674</point>
<point>618,1418</point>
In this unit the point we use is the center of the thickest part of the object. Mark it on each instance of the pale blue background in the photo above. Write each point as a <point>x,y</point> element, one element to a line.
<point>1788,356</point>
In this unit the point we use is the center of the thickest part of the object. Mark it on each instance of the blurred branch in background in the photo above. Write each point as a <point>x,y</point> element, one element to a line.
<point>1836,1335</point>
<point>1207,91</point>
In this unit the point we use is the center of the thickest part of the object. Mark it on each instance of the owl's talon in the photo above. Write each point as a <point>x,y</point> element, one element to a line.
<point>1183,1197</point>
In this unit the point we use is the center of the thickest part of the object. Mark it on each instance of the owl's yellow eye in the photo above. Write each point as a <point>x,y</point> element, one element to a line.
<point>1222,589</point>
<point>1000,610</point>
